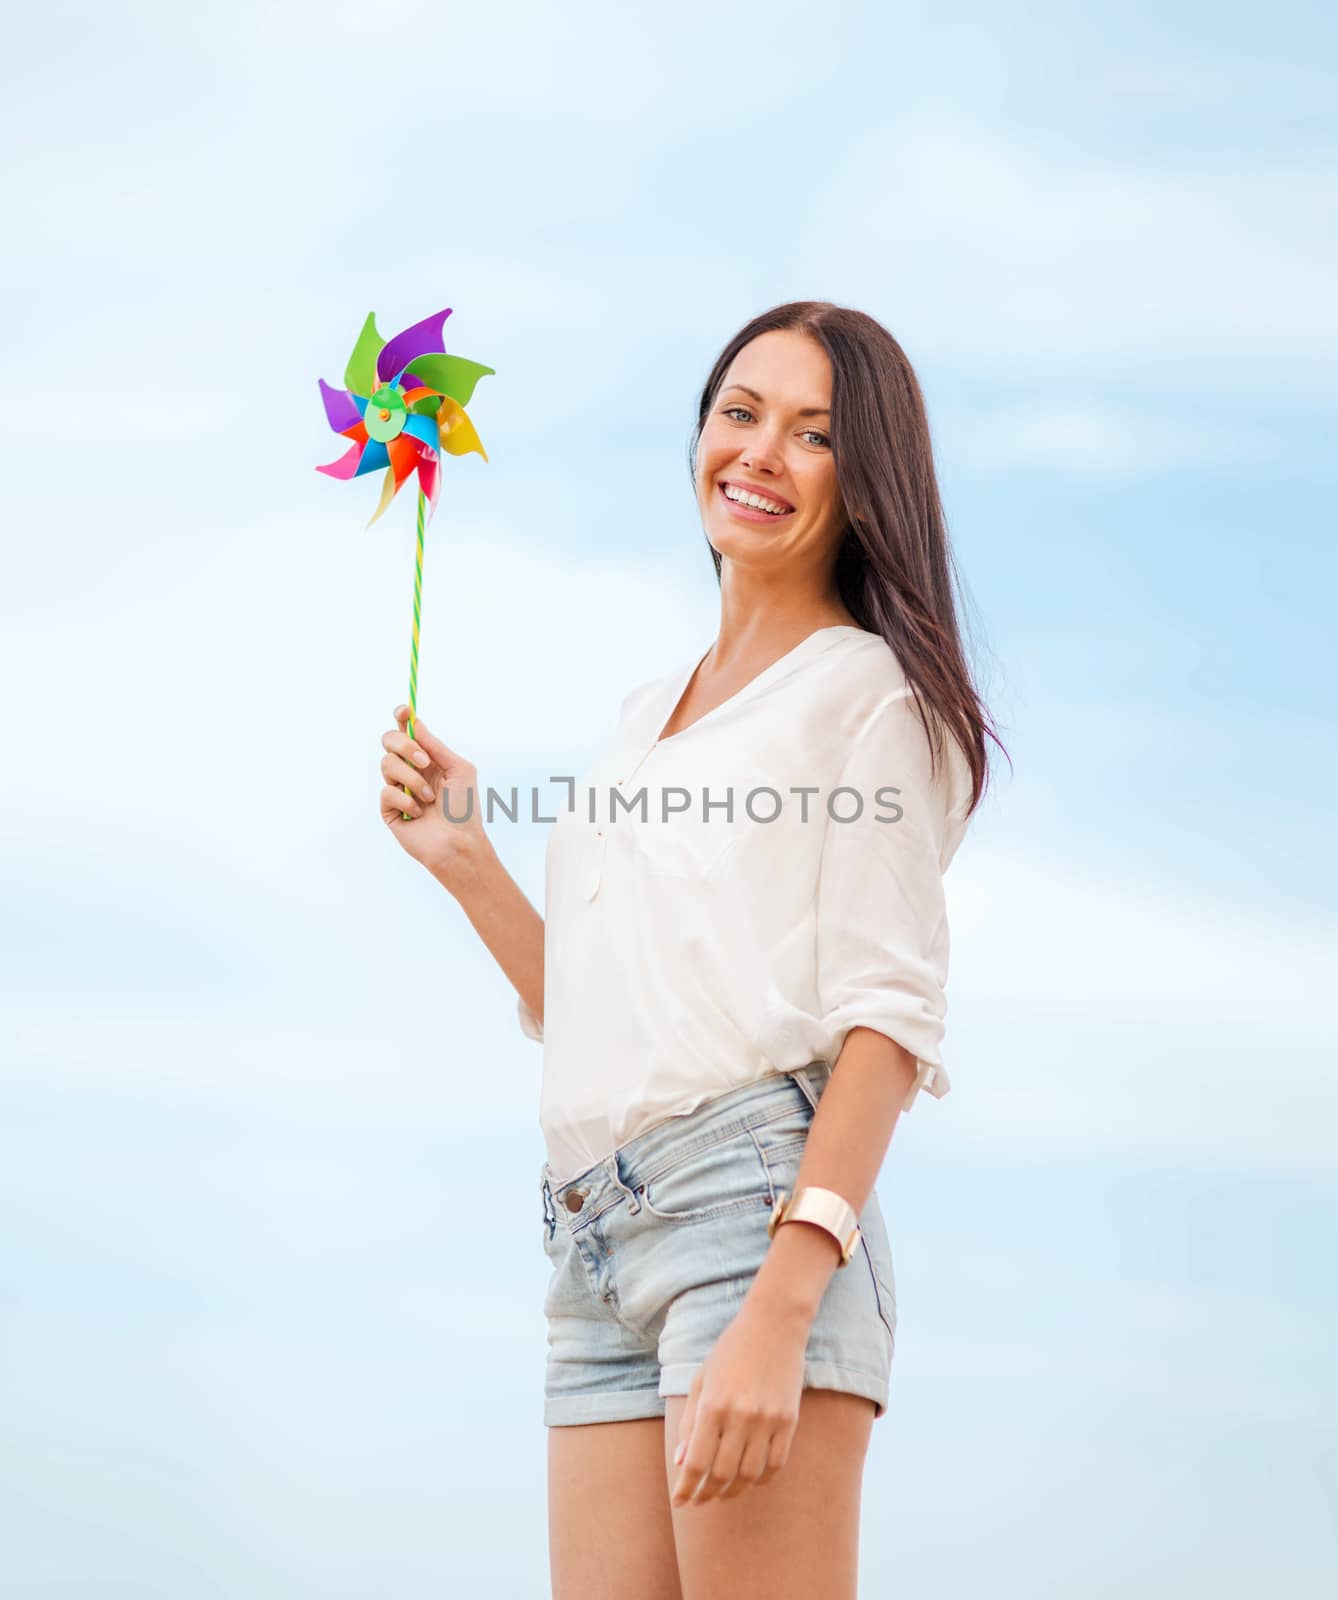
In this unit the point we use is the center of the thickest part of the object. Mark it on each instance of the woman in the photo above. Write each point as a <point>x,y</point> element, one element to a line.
<point>740,986</point>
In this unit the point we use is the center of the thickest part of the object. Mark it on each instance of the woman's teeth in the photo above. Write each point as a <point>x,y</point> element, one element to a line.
<point>754,500</point>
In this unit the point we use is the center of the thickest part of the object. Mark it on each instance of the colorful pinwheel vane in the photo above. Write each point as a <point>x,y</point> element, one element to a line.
<point>403,405</point>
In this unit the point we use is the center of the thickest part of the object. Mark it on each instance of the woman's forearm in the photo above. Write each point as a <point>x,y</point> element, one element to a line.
<point>502,917</point>
<point>847,1143</point>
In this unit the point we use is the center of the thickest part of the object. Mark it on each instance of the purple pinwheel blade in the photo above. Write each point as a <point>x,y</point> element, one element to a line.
<point>421,339</point>
<point>339,407</point>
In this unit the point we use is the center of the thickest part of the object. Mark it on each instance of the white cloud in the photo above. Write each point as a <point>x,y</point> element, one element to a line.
<point>1099,441</point>
<point>1087,1011</point>
<point>1002,256</point>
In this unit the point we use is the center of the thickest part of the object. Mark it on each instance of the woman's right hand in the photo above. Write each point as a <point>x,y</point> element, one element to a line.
<point>431,769</point>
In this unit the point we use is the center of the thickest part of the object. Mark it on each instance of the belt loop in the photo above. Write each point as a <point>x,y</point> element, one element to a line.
<point>550,1210</point>
<point>614,1168</point>
<point>803,1077</point>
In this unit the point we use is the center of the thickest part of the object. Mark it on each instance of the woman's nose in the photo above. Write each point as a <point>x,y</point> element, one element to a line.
<point>762,452</point>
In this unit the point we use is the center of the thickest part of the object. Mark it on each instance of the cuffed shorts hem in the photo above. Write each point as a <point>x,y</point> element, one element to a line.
<point>630,1405</point>
<point>677,1379</point>
<point>622,1405</point>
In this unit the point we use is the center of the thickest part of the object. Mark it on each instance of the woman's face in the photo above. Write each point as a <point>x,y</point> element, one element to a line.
<point>769,432</point>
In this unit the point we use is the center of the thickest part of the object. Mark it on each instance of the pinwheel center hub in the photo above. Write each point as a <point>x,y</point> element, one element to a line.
<point>386,414</point>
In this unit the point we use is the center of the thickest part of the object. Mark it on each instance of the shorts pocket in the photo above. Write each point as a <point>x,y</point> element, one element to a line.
<point>782,1142</point>
<point>782,1163</point>
<point>707,1181</point>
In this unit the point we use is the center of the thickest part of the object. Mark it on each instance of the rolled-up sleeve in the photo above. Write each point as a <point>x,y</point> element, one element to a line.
<point>882,926</point>
<point>530,1025</point>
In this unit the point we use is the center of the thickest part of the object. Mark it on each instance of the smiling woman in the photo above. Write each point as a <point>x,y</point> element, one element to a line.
<point>736,1006</point>
<point>817,408</point>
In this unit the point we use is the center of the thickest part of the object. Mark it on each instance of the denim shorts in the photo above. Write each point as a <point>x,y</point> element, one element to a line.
<point>653,1249</point>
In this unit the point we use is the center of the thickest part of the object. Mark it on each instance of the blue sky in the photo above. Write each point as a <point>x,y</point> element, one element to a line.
<point>271,1308</point>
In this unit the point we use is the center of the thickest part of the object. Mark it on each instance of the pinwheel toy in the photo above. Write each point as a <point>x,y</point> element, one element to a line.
<point>404,405</point>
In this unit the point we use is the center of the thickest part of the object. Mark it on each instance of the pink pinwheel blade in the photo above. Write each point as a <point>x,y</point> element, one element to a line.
<point>429,478</point>
<point>422,338</point>
<point>346,466</point>
<point>339,407</point>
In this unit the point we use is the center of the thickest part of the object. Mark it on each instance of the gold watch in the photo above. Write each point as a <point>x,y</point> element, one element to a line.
<point>822,1206</point>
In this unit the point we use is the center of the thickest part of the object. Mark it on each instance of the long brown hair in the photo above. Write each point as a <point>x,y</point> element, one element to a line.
<point>894,567</point>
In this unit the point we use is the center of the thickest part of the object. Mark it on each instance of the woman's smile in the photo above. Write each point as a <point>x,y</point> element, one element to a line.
<point>749,513</point>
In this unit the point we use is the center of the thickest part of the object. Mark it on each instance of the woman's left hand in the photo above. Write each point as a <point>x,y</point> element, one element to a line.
<point>742,1407</point>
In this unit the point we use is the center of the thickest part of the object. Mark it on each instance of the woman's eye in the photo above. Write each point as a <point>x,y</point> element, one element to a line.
<point>808,433</point>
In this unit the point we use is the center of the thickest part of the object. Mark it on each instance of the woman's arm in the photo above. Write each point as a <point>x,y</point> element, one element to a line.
<point>847,1143</point>
<point>747,1391</point>
<point>439,823</point>
<point>881,965</point>
<point>502,917</point>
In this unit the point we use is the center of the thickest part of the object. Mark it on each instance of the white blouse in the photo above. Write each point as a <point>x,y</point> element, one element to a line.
<point>709,920</point>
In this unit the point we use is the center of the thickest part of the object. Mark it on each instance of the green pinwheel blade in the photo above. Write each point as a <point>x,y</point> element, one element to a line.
<point>453,375</point>
<point>360,374</point>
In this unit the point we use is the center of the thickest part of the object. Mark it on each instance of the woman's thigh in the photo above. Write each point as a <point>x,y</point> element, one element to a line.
<point>609,1527</point>
<point>793,1538</point>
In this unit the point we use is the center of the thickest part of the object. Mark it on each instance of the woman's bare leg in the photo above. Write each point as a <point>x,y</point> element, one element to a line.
<point>610,1534</point>
<point>797,1536</point>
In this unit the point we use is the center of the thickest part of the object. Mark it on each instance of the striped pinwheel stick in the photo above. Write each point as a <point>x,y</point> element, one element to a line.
<point>417,619</point>
<point>403,409</point>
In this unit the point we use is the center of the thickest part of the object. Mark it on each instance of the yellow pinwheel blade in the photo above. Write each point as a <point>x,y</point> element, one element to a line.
<point>458,437</point>
<point>387,494</point>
